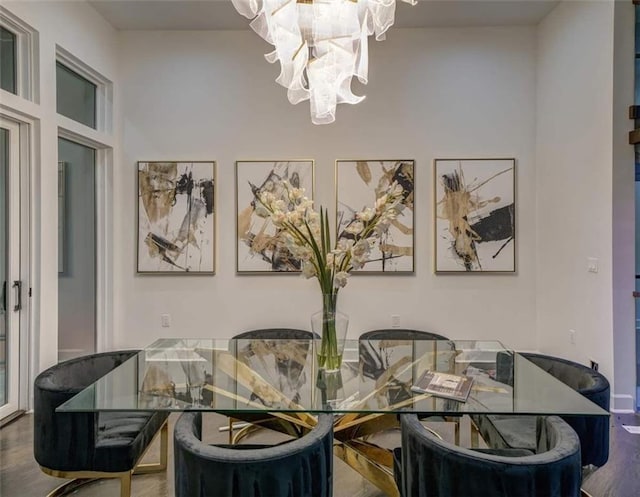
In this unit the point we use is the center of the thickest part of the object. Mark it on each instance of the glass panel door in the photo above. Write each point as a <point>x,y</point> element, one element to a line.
<point>637,168</point>
<point>77,250</point>
<point>10,285</point>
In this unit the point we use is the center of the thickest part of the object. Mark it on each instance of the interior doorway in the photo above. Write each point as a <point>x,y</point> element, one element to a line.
<point>76,249</point>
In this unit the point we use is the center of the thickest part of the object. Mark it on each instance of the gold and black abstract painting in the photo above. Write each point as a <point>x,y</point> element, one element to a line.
<point>475,215</point>
<point>176,217</point>
<point>260,245</point>
<point>359,185</point>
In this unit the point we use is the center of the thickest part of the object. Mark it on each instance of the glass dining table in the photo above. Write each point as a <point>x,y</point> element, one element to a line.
<point>277,384</point>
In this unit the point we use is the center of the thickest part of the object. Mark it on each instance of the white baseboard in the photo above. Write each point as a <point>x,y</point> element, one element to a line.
<point>622,404</point>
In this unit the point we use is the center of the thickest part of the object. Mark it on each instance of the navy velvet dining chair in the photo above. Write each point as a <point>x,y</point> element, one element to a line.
<point>370,357</point>
<point>288,369</point>
<point>400,334</point>
<point>427,466</point>
<point>275,334</point>
<point>372,364</point>
<point>90,445</point>
<point>302,467</point>
<point>519,431</point>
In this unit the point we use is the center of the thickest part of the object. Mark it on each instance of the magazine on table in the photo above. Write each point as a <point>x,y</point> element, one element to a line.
<point>446,385</point>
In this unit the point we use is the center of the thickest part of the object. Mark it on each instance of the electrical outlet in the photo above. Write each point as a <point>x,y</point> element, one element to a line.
<point>592,264</point>
<point>594,365</point>
<point>395,320</point>
<point>165,320</point>
<point>572,337</point>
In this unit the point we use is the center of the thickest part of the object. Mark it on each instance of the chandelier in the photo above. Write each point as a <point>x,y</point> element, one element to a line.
<point>321,45</point>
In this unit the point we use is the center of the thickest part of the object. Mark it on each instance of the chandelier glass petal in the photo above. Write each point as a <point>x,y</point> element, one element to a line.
<point>321,46</point>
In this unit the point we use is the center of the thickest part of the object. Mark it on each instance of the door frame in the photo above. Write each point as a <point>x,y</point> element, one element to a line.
<point>104,227</point>
<point>23,352</point>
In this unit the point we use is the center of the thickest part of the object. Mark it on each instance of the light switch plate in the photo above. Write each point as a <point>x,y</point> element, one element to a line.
<point>165,320</point>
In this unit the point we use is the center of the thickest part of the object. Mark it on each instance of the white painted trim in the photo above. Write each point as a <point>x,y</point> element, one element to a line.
<point>27,50</point>
<point>104,88</point>
<point>26,163</point>
<point>35,247</point>
<point>78,132</point>
<point>622,403</point>
<point>19,106</point>
<point>104,248</point>
<point>93,140</point>
<point>13,255</point>
<point>24,216</point>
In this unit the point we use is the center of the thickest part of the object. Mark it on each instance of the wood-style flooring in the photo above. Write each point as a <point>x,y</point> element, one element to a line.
<point>620,477</point>
<point>20,475</point>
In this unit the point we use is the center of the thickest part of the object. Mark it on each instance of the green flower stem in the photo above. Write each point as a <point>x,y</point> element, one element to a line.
<point>330,357</point>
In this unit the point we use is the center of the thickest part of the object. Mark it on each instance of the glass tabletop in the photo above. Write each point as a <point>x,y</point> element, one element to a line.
<point>377,376</point>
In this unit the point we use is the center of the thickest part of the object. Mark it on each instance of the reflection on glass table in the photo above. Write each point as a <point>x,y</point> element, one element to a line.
<point>259,376</point>
<point>175,370</point>
<point>276,384</point>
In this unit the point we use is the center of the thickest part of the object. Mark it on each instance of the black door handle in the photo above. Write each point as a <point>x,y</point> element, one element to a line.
<point>4,296</point>
<point>18,286</point>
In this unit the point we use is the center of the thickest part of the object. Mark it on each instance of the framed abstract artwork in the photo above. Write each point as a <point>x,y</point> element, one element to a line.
<point>176,217</point>
<point>359,183</point>
<point>260,247</point>
<point>475,215</point>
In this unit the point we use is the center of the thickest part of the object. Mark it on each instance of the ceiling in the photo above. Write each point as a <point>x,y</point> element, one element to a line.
<point>220,14</point>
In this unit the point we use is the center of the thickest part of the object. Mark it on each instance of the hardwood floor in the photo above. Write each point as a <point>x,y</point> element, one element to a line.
<point>620,477</point>
<point>20,475</point>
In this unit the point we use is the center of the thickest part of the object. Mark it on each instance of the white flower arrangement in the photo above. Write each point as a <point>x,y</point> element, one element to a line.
<point>305,233</point>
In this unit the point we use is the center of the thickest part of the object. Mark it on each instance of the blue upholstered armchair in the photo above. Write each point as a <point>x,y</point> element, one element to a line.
<point>289,370</point>
<point>519,431</point>
<point>400,334</point>
<point>427,466</point>
<point>89,445</point>
<point>302,467</point>
<point>275,334</point>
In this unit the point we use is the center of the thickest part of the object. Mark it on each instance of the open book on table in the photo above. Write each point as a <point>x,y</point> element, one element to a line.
<point>449,386</point>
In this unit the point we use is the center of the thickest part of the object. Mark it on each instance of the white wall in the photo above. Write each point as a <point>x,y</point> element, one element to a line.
<point>624,212</point>
<point>78,28</point>
<point>432,93</point>
<point>574,181</point>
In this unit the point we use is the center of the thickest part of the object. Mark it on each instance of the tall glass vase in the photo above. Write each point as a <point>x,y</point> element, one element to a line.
<point>331,326</point>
